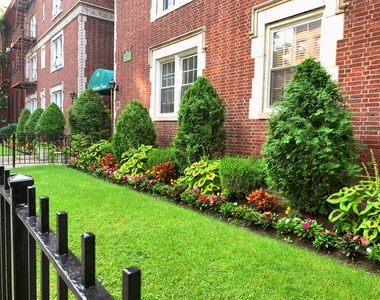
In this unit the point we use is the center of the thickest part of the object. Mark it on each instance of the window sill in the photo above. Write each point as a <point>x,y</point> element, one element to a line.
<point>164,118</point>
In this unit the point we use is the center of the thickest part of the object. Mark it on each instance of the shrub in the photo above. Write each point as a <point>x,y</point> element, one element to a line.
<point>90,116</point>
<point>20,129</point>
<point>310,148</point>
<point>200,119</point>
<point>359,206</point>
<point>134,128</point>
<point>240,175</point>
<point>164,172</point>
<point>9,130</point>
<point>160,155</point>
<point>30,125</point>
<point>51,122</point>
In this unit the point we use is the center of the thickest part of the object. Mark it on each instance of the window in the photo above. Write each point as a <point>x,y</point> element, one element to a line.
<point>290,46</point>
<point>174,68</point>
<point>33,68</point>
<point>172,90</point>
<point>162,7</point>
<point>33,26</point>
<point>57,53</point>
<point>43,57</point>
<point>42,97</point>
<point>43,12</point>
<point>57,7</point>
<point>33,105</point>
<point>168,3</point>
<point>283,34</point>
<point>57,95</point>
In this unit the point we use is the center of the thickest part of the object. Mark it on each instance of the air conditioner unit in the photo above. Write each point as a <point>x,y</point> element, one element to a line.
<point>8,50</point>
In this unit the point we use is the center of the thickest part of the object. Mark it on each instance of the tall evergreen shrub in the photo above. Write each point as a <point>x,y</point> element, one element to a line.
<point>30,125</point>
<point>51,122</point>
<point>310,148</point>
<point>20,129</point>
<point>134,128</point>
<point>200,120</point>
<point>89,116</point>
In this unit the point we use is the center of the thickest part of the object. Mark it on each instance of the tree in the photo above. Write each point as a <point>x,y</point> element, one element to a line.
<point>310,149</point>
<point>89,116</point>
<point>134,128</point>
<point>200,119</point>
<point>20,129</point>
<point>51,122</point>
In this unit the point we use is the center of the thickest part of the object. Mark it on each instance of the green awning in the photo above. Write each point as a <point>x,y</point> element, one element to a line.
<point>100,79</point>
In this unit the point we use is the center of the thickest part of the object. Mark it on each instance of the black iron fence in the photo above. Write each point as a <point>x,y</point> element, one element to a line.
<point>35,150</point>
<point>21,229</point>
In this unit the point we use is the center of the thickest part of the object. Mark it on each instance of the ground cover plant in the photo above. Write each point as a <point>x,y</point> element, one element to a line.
<point>186,255</point>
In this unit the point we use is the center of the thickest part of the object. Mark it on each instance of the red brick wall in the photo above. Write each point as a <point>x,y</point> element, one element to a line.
<point>359,76</point>
<point>230,68</point>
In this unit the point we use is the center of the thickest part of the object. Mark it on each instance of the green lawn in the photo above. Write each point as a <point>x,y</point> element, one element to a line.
<point>186,255</point>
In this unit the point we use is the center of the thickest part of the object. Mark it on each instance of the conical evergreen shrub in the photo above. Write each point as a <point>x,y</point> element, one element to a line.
<point>20,129</point>
<point>200,120</point>
<point>89,116</point>
<point>30,125</point>
<point>310,148</point>
<point>134,128</point>
<point>51,122</point>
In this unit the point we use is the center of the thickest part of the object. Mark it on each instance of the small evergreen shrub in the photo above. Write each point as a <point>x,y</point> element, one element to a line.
<point>310,148</point>
<point>134,128</point>
<point>8,131</point>
<point>30,125</point>
<point>51,122</point>
<point>200,119</point>
<point>240,176</point>
<point>90,116</point>
<point>20,129</point>
<point>160,155</point>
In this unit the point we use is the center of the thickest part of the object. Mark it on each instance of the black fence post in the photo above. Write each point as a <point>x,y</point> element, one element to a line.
<point>131,284</point>
<point>88,259</point>
<point>14,150</point>
<point>19,236</point>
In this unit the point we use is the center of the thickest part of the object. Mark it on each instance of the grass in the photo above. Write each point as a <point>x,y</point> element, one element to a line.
<point>186,255</point>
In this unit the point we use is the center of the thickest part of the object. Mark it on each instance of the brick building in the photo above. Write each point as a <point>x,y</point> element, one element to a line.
<point>53,48</point>
<point>247,50</point>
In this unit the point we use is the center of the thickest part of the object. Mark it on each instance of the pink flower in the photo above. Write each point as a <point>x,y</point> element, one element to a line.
<point>355,238</point>
<point>305,226</point>
<point>364,241</point>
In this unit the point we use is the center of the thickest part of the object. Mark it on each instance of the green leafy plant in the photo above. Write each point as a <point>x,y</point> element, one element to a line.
<point>350,244</point>
<point>134,128</point>
<point>310,149</point>
<point>325,239</point>
<point>261,200</point>
<point>359,206</point>
<point>51,122</point>
<point>200,119</point>
<point>267,220</point>
<point>160,155</point>
<point>164,172</point>
<point>203,175</point>
<point>373,252</point>
<point>20,129</point>
<point>133,162</point>
<point>89,158</point>
<point>286,225</point>
<point>307,229</point>
<point>241,175</point>
<point>89,115</point>
<point>31,123</point>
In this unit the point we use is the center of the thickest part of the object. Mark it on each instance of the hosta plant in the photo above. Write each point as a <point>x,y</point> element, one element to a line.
<point>203,175</point>
<point>359,206</point>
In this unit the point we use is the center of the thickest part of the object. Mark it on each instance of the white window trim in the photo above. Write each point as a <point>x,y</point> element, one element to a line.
<point>54,66</point>
<point>33,78</point>
<point>55,89</point>
<point>43,57</point>
<point>157,8</point>
<point>57,8</point>
<point>270,16</point>
<point>174,49</point>
<point>42,98</point>
<point>33,26</point>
